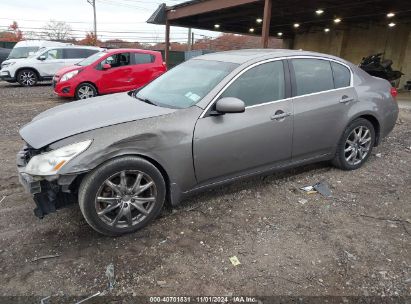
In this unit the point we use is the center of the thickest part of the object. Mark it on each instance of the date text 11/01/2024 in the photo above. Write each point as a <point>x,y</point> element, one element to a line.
<point>203,299</point>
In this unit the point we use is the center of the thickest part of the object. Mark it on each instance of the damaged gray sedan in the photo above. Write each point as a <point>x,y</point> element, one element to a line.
<point>206,122</point>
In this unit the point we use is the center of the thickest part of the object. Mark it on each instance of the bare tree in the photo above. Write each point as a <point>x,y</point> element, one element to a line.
<point>57,30</point>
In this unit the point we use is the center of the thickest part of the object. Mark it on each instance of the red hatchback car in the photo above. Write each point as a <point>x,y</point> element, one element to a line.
<point>110,71</point>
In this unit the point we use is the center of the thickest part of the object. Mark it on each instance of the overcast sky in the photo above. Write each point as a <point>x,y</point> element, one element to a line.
<point>113,16</point>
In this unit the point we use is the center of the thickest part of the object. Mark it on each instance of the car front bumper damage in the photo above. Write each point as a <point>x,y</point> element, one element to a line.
<point>49,194</point>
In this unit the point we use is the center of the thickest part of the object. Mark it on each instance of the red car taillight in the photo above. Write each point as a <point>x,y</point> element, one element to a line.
<point>394,93</point>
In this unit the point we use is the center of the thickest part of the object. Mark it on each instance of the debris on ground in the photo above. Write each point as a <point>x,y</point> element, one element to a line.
<point>378,155</point>
<point>235,261</point>
<point>320,187</point>
<point>110,276</point>
<point>90,297</point>
<point>323,189</point>
<point>161,283</point>
<point>350,256</point>
<point>2,199</point>
<point>307,188</point>
<point>45,257</point>
<point>303,201</point>
<point>45,300</point>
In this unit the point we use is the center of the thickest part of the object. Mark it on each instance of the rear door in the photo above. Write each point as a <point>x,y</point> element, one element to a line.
<point>323,94</point>
<point>261,137</point>
<point>119,77</point>
<point>144,69</point>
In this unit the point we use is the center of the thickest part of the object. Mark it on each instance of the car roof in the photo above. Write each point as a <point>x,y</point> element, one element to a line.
<point>113,51</point>
<point>246,55</point>
<point>70,47</point>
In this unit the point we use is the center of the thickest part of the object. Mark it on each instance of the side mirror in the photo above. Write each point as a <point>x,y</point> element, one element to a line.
<point>230,105</point>
<point>106,66</point>
<point>42,57</point>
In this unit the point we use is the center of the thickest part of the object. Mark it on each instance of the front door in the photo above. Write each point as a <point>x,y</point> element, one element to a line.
<point>261,137</point>
<point>53,62</point>
<point>118,78</point>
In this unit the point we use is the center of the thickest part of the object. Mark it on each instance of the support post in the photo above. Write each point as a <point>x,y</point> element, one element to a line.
<point>189,40</point>
<point>266,23</point>
<point>167,44</point>
<point>192,41</point>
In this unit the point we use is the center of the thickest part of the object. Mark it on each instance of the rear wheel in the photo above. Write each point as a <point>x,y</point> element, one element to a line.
<point>85,90</point>
<point>355,145</point>
<point>27,78</point>
<point>122,196</point>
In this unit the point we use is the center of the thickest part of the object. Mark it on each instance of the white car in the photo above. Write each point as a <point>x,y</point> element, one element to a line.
<point>27,48</point>
<point>44,64</point>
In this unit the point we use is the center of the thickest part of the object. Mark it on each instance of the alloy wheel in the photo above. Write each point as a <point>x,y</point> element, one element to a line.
<point>126,198</point>
<point>27,78</point>
<point>85,92</point>
<point>357,145</point>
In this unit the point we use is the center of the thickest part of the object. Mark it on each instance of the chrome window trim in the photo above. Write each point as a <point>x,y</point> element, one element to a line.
<point>284,99</point>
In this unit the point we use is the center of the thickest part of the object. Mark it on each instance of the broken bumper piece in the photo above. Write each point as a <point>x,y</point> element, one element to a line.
<point>49,195</point>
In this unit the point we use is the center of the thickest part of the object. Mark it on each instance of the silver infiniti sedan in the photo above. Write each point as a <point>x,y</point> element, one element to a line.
<point>209,121</point>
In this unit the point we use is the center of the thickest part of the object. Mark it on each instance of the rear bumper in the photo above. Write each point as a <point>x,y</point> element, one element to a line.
<point>48,195</point>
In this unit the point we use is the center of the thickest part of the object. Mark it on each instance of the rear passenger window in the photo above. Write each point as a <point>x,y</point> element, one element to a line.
<point>312,76</point>
<point>78,53</point>
<point>342,75</point>
<point>88,53</point>
<point>74,53</point>
<point>140,58</point>
<point>261,84</point>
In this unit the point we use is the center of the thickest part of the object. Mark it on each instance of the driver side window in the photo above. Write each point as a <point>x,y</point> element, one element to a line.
<point>261,84</point>
<point>117,60</point>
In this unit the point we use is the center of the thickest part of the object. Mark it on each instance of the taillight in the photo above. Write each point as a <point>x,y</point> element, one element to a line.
<point>394,93</point>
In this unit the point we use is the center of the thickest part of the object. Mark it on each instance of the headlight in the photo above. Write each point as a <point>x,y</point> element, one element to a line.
<point>50,163</point>
<point>69,75</point>
<point>6,64</point>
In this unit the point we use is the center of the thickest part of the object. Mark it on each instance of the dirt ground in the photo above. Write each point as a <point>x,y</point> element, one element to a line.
<point>357,243</point>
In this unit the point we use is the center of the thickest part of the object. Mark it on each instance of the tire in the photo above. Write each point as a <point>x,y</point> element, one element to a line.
<point>103,188</point>
<point>85,90</point>
<point>353,142</point>
<point>27,78</point>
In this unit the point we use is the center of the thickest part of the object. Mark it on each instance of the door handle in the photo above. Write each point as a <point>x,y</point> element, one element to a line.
<point>280,115</point>
<point>346,99</point>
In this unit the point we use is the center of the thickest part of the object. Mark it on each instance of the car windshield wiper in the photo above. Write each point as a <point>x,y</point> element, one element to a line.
<point>146,100</point>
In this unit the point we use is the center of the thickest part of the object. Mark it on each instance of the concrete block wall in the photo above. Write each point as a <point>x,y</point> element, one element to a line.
<point>362,40</point>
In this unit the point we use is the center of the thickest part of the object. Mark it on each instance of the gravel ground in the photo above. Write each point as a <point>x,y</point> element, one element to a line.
<point>288,242</point>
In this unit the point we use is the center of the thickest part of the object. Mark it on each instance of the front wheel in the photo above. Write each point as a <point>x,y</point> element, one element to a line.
<point>27,78</point>
<point>355,145</point>
<point>85,90</point>
<point>122,196</point>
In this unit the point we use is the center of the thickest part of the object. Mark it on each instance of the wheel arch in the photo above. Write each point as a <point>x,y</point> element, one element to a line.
<point>27,68</point>
<point>90,83</point>
<point>171,198</point>
<point>376,124</point>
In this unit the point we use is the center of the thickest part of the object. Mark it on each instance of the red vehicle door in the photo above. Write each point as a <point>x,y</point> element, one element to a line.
<point>146,67</point>
<point>115,73</point>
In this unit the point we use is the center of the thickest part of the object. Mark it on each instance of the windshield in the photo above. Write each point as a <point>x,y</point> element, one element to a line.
<point>22,52</point>
<point>91,59</point>
<point>186,84</point>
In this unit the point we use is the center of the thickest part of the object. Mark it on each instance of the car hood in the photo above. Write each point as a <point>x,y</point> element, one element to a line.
<point>68,69</point>
<point>85,115</point>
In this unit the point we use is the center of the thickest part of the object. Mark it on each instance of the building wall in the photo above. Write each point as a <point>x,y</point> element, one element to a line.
<point>359,41</point>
